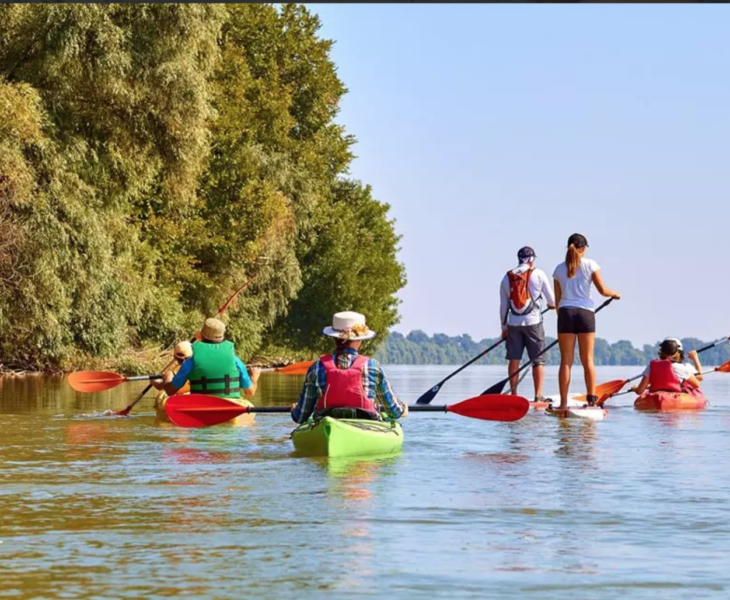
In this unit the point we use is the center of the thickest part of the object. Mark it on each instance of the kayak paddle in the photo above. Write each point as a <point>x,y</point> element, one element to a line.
<point>431,394</point>
<point>201,410</point>
<point>723,368</point>
<point>609,389</point>
<point>497,388</point>
<point>125,411</point>
<point>98,381</point>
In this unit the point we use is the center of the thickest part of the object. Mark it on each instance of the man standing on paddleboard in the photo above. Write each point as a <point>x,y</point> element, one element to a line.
<point>524,291</point>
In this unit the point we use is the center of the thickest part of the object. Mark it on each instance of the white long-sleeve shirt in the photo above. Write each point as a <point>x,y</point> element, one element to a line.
<point>542,294</point>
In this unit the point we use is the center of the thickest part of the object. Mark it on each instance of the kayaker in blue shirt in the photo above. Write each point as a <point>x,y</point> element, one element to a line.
<point>346,384</point>
<point>213,368</point>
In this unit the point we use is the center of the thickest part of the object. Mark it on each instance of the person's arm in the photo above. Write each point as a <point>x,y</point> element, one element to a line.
<point>601,287</point>
<point>558,292</point>
<point>547,292</point>
<point>642,387</point>
<point>247,383</point>
<point>694,381</point>
<point>172,383</point>
<point>503,304</point>
<point>304,408</point>
<point>384,393</point>
<point>695,358</point>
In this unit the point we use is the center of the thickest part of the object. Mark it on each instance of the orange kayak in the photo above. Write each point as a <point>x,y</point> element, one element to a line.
<point>663,401</point>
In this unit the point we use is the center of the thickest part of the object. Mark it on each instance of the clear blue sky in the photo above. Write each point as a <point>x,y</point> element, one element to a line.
<point>488,127</point>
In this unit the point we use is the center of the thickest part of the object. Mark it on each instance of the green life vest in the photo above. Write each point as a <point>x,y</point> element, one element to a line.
<point>214,370</point>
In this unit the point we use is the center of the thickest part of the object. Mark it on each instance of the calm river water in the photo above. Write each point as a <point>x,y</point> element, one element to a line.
<point>102,507</point>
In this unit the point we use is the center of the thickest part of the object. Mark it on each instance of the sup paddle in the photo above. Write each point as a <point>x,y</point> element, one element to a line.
<point>497,388</point>
<point>431,394</point>
<point>609,389</point>
<point>98,381</point>
<point>201,410</point>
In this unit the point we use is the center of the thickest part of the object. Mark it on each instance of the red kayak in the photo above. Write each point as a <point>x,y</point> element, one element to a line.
<point>663,401</point>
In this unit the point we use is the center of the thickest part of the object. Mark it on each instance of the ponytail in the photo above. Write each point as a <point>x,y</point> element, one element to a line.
<point>572,260</point>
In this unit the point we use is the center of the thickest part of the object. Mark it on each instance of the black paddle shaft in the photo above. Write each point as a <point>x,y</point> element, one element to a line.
<point>498,387</point>
<point>426,397</point>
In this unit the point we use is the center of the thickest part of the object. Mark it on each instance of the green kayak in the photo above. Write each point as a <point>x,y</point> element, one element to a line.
<point>347,437</point>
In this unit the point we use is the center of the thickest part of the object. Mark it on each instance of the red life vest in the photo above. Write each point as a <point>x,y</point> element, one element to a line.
<point>344,386</point>
<point>662,377</point>
<point>520,299</point>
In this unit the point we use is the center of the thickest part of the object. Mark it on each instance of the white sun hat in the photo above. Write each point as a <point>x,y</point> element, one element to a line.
<point>349,325</point>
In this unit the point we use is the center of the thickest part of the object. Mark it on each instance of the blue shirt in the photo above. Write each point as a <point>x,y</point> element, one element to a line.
<point>244,381</point>
<point>376,386</point>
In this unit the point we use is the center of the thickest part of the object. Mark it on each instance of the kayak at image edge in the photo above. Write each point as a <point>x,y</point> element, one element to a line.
<point>347,437</point>
<point>664,401</point>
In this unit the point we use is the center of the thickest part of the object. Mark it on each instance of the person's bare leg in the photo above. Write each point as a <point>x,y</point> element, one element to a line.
<point>566,341</point>
<point>586,342</point>
<point>514,377</point>
<point>538,375</point>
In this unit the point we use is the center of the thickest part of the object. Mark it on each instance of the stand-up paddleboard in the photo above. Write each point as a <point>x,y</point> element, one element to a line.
<point>592,413</point>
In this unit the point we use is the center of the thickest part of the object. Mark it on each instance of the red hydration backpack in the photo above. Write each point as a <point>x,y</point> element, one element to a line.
<point>520,299</point>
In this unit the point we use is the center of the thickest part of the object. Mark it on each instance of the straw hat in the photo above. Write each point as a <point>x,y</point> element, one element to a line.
<point>349,325</point>
<point>183,350</point>
<point>213,330</point>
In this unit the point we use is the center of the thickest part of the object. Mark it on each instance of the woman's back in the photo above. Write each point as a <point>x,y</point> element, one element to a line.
<point>576,291</point>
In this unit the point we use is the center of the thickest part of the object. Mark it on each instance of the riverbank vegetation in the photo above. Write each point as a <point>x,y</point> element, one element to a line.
<point>155,157</point>
<point>418,348</point>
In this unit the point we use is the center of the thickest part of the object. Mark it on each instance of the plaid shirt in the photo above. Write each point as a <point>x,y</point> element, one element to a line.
<point>374,383</point>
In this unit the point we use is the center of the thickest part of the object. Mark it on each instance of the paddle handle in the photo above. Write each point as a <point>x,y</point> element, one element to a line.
<point>287,409</point>
<point>719,342</point>
<point>143,378</point>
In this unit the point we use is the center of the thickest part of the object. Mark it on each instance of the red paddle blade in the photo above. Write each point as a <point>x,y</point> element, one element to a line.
<point>495,407</point>
<point>299,368</point>
<point>200,410</point>
<point>94,381</point>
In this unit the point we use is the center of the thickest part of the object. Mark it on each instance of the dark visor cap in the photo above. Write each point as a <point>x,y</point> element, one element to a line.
<point>525,252</point>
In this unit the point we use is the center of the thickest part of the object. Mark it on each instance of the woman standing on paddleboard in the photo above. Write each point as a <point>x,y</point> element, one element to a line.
<point>576,318</point>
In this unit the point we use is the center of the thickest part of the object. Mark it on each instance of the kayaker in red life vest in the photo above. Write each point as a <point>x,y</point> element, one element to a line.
<point>346,384</point>
<point>523,293</point>
<point>213,368</point>
<point>668,373</point>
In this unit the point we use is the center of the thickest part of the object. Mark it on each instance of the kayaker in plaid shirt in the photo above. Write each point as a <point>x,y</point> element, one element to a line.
<point>347,384</point>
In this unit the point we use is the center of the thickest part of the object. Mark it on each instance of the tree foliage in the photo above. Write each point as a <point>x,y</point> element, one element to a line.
<point>418,348</point>
<point>154,157</point>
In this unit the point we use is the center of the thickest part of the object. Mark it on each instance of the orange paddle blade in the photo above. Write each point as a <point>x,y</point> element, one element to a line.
<point>494,407</point>
<point>724,368</point>
<point>94,381</point>
<point>607,389</point>
<point>201,410</point>
<point>299,368</point>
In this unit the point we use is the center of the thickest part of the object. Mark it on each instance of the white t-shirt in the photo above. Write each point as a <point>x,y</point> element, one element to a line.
<point>576,291</point>
<point>540,290</point>
<point>683,371</point>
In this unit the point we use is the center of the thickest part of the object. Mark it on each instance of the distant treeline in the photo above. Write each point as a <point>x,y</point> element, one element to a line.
<point>418,348</point>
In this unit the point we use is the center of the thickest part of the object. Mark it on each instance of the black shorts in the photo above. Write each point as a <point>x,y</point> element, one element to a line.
<point>531,337</point>
<point>576,320</point>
